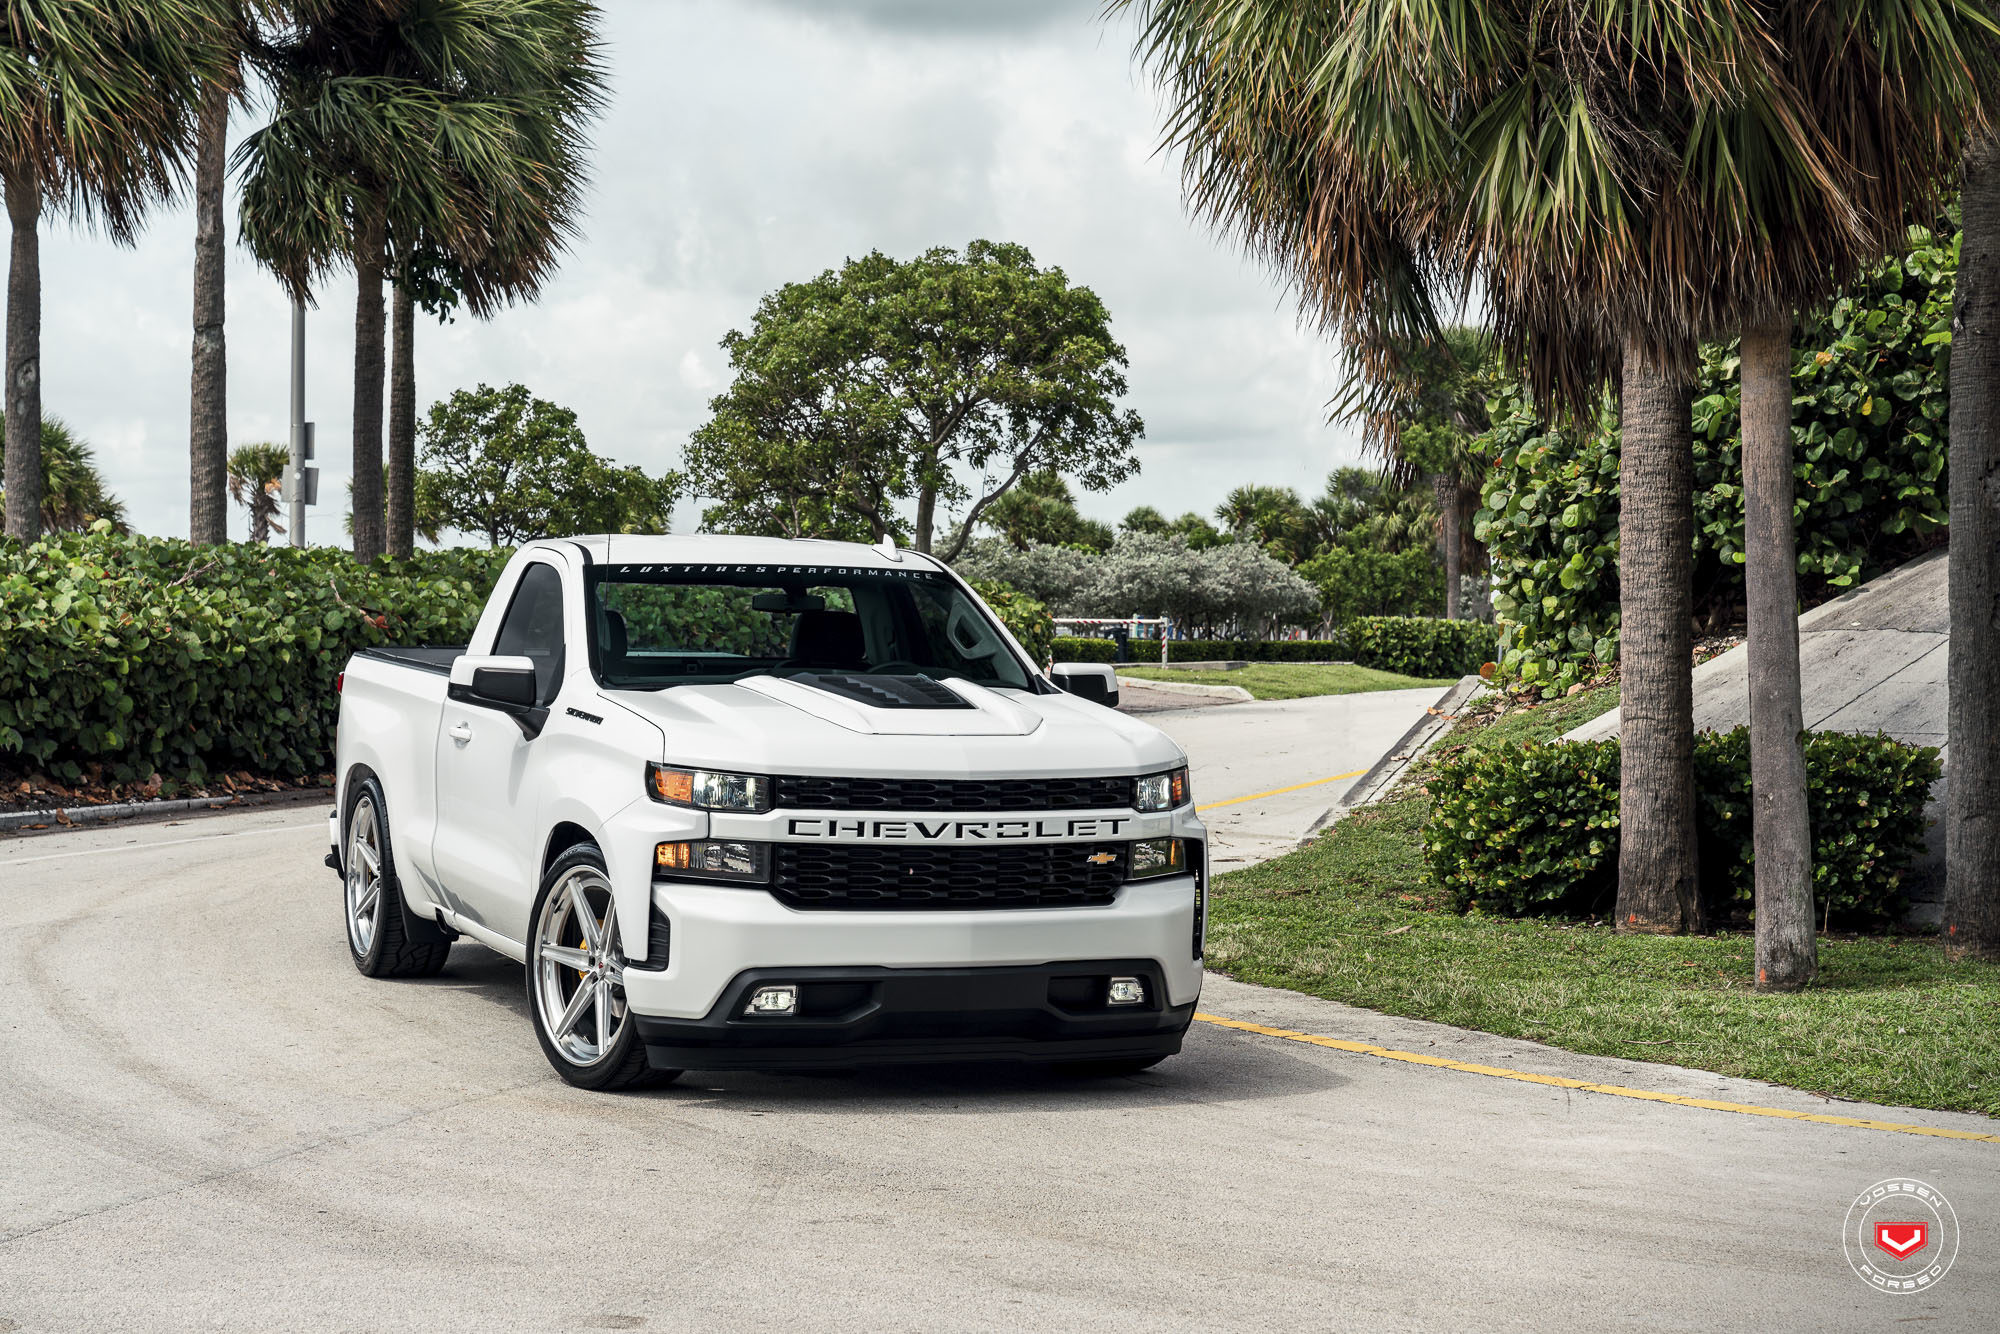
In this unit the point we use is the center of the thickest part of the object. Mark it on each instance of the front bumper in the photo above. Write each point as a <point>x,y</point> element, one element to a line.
<point>852,1016</point>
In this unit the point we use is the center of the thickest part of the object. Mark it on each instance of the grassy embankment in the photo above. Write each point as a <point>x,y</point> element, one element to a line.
<point>1351,918</point>
<point>1289,680</point>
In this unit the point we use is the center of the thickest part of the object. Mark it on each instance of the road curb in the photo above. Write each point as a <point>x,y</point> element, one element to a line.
<point>60,818</point>
<point>1234,694</point>
<point>1421,736</point>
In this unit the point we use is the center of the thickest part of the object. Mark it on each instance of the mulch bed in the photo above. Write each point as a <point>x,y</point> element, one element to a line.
<point>31,790</point>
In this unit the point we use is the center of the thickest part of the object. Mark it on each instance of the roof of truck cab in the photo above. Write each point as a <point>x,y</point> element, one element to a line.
<point>718,549</point>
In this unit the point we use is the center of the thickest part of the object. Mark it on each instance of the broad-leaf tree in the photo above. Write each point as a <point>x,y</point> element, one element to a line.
<point>889,381</point>
<point>1042,510</point>
<point>509,467</point>
<point>97,106</point>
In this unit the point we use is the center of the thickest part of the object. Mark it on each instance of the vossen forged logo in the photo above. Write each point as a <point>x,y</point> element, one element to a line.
<point>960,831</point>
<point>1900,1236</point>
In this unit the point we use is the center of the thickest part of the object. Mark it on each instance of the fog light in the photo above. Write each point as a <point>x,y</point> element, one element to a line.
<point>773,1000</point>
<point>1127,991</point>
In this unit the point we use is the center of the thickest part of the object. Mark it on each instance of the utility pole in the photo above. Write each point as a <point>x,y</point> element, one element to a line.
<point>301,481</point>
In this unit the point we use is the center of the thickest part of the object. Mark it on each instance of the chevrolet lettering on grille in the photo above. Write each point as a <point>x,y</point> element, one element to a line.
<point>832,827</point>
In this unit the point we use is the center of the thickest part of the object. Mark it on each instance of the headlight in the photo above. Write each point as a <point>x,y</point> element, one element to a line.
<point>1155,857</point>
<point>714,859</point>
<point>704,790</point>
<point>1161,792</point>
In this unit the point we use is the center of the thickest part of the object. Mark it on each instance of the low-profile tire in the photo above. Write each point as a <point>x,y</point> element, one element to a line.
<point>378,937</point>
<point>576,980</point>
<point>1109,1069</point>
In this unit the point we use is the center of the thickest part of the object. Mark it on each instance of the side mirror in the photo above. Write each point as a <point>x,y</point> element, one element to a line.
<point>503,683</point>
<point>1093,681</point>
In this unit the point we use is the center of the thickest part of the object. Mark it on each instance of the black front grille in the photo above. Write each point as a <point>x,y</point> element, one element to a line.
<point>799,793</point>
<point>880,878</point>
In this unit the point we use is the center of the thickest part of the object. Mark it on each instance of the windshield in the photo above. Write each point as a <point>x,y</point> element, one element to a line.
<point>663,625</point>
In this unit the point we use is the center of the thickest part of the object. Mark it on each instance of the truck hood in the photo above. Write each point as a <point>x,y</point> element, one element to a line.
<point>780,725</point>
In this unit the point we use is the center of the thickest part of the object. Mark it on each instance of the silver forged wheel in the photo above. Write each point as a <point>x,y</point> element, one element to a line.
<point>364,875</point>
<point>579,970</point>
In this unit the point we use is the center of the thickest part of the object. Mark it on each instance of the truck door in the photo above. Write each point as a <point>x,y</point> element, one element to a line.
<point>487,842</point>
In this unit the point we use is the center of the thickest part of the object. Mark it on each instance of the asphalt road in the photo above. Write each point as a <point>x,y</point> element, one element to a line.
<point>211,1121</point>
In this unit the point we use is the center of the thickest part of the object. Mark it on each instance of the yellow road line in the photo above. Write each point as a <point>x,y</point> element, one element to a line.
<point>1280,791</point>
<point>1613,1090</point>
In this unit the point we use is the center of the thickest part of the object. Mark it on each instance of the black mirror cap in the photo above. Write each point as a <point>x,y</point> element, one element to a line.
<point>509,687</point>
<point>1087,680</point>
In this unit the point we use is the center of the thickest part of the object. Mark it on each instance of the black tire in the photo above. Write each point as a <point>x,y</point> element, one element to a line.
<point>1109,1069</point>
<point>621,1063</point>
<point>379,941</point>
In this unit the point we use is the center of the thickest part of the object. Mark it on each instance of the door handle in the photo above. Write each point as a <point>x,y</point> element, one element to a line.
<point>461,732</point>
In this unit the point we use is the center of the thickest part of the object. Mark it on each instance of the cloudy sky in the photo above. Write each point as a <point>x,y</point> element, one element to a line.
<point>749,143</point>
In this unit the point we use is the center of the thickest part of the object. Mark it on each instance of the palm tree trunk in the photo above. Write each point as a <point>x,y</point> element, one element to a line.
<point>24,355</point>
<point>368,337</point>
<point>208,397</point>
<point>1781,826</point>
<point>1972,800</point>
<point>1448,540</point>
<point>402,424</point>
<point>1657,889</point>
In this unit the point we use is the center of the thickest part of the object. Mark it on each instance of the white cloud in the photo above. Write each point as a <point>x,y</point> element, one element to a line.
<point>748,145</point>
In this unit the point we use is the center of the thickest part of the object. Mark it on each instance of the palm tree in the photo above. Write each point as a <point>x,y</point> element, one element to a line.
<point>1621,180</point>
<point>255,476</point>
<point>406,130</point>
<point>1971,925</point>
<point>74,495</point>
<point>96,113</point>
<point>1428,405</point>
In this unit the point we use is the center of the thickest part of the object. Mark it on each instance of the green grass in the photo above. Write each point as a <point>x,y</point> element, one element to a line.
<point>1351,918</point>
<point>1289,680</point>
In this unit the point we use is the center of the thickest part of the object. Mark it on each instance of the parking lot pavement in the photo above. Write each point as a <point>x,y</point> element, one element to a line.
<point>1266,772</point>
<point>213,1122</point>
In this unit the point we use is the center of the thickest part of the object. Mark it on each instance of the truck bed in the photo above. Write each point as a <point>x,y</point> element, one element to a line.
<point>429,658</point>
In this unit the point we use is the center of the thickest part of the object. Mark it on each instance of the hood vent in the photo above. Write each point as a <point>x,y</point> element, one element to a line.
<point>886,692</point>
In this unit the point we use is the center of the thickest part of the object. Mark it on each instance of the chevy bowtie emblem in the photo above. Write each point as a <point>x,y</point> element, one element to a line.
<point>1102,858</point>
<point>1902,1240</point>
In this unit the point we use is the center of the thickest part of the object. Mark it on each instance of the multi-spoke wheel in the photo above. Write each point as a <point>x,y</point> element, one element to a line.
<point>576,979</point>
<point>377,935</point>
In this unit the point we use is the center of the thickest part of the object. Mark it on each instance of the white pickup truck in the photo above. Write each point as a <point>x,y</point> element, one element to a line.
<point>742,803</point>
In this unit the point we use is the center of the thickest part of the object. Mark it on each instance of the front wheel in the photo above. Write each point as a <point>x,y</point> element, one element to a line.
<point>576,980</point>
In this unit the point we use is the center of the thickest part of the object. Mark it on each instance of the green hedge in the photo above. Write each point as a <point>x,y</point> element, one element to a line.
<point>1068,648</point>
<point>1534,829</point>
<point>1246,650</point>
<point>1420,645</point>
<point>148,655</point>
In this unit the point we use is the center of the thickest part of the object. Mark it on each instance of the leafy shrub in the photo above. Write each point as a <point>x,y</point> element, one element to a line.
<point>1549,519</point>
<point>145,655</point>
<point>1026,618</point>
<point>1533,830</point>
<point>1867,801</point>
<point>1252,650</point>
<point>1376,583</point>
<point>1069,649</point>
<point>1528,830</point>
<point>1420,645</point>
<point>1870,401</point>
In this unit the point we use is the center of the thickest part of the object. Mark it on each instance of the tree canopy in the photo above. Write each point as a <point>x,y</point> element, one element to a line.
<point>74,495</point>
<point>510,467</point>
<point>892,381</point>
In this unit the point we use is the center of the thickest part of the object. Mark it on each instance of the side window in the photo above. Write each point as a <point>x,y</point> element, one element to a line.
<point>532,627</point>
